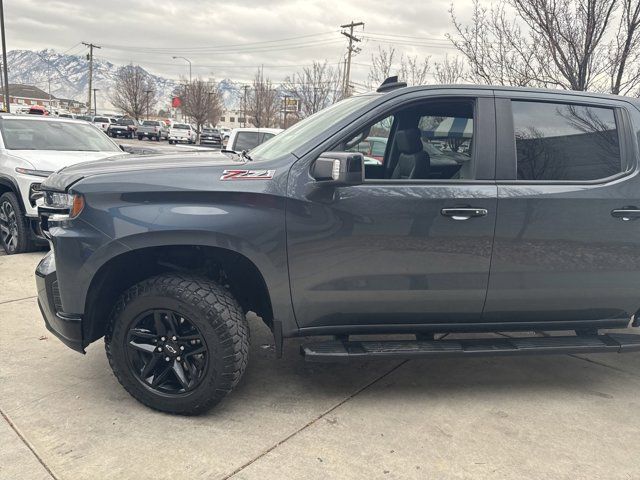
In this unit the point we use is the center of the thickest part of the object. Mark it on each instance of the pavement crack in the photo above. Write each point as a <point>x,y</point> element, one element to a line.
<point>28,445</point>
<point>313,421</point>
<point>18,299</point>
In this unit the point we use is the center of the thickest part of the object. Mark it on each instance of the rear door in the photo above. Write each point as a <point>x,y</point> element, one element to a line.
<point>391,253</point>
<point>565,250</point>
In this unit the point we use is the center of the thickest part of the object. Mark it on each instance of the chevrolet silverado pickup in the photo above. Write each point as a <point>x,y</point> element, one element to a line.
<point>491,209</point>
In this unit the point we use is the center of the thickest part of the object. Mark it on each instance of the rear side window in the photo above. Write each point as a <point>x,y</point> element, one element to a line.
<point>246,140</point>
<point>557,141</point>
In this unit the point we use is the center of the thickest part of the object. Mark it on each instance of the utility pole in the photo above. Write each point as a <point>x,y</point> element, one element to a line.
<point>90,58</point>
<point>95,103</point>
<point>148,92</point>
<point>244,105</point>
<point>7,106</point>
<point>350,50</point>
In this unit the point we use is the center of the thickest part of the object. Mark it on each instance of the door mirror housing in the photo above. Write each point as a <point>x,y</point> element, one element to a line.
<point>339,168</point>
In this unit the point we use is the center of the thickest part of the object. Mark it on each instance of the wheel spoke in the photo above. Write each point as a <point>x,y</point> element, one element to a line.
<point>142,347</point>
<point>142,333</point>
<point>150,366</point>
<point>201,349</point>
<point>161,328</point>
<point>180,375</point>
<point>159,377</point>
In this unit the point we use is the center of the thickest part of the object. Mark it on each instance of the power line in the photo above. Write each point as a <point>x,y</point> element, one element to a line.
<point>206,49</point>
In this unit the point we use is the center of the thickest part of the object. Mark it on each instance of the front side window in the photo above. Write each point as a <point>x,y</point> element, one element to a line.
<point>556,141</point>
<point>428,141</point>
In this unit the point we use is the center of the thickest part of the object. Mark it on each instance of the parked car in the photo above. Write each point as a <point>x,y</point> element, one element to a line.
<point>38,110</point>
<point>103,123</point>
<point>537,230</point>
<point>247,138</point>
<point>85,118</point>
<point>124,127</point>
<point>211,136</point>
<point>32,147</point>
<point>152,129</point>
<point>182,132</point>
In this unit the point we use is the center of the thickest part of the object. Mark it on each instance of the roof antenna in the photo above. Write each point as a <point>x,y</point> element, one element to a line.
<point>391,83</point>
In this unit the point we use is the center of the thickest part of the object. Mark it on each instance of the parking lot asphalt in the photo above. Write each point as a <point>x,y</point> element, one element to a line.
<point>64,416</point>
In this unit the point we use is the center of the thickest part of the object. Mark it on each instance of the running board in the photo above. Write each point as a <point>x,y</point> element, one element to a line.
<point>343,350</point>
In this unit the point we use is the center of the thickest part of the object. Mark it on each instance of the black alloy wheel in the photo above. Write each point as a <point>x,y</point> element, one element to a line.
<point>166,352</point>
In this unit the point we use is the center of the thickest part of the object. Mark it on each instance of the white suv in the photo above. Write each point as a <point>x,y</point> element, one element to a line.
<point>31,148</point>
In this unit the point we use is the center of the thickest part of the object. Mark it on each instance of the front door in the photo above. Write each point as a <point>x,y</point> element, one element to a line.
<point>411,245</point>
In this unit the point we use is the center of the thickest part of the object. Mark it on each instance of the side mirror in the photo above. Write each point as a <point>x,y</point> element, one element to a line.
<point>339,168</point>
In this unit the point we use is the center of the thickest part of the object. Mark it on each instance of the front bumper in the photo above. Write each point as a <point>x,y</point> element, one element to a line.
<point>67,328</point>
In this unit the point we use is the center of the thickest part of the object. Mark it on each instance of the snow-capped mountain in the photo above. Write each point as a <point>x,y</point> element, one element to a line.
<point>68,77</point>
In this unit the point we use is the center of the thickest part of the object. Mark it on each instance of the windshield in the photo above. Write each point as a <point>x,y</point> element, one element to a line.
<point>297,135</point>
<point>21,134</point>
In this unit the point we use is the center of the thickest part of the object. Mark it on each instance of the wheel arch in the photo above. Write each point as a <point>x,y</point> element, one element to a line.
<point>7,185</point>
<point>231,269</point>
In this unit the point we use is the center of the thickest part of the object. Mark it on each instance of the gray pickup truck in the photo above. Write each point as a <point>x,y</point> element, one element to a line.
<point>153,129</point>
<point>524,217</point>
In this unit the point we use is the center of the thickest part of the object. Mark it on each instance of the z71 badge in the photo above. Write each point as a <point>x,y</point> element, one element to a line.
<point>247,174</point>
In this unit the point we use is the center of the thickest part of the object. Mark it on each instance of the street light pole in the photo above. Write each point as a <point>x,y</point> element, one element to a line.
<point>185,58</point>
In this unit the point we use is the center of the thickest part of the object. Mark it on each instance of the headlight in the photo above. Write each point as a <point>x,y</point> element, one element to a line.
<point>36,173</point>
<point>72,203</point>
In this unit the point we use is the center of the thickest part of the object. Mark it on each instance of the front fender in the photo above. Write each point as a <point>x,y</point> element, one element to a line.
<point>249,224</point>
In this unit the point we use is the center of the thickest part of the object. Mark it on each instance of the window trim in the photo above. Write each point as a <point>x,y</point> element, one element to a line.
<point>507,158</point>
<point>487,132</point>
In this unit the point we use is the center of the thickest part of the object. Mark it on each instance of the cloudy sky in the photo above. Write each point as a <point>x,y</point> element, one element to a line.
<point>230,39</point>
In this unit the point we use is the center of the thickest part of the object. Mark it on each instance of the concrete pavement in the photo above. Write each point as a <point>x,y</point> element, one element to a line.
<point>64,416</point>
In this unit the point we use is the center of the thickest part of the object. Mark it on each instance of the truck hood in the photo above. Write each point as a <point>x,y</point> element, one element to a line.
<point>52,160</point>
<point>61,180</point>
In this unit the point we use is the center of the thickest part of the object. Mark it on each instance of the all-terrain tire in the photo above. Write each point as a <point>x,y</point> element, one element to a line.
<point>212,310</point>
<point>19,239</point>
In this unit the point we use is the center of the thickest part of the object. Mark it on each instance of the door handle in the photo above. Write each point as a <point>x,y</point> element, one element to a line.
<point>463,213</point>
<point>626,213</point>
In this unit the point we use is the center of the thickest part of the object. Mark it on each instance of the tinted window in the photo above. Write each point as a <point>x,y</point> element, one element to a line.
<point>126,121</point>
<point>101,120</point>
<point>429,141</point>
<point>151,123</point>
<point>246,141</point>
<point>556,141</point>
<point>180,126</point>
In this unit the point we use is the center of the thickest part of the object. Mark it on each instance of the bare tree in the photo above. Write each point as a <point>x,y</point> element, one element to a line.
<point>449,71</point>
<point>555,43</point>
<point>315,87</point>
<point>624,52</point>
<point>134,91</point>
<point>386,63</point>
<point>202,101</point>
<point>263,101</point>
<point>497,50</point>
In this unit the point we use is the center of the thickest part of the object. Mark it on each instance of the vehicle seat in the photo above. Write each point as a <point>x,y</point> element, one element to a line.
<point>413,161</point>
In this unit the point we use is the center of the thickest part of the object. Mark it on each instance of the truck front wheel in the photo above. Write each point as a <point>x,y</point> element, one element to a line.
<point>178,343</point>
